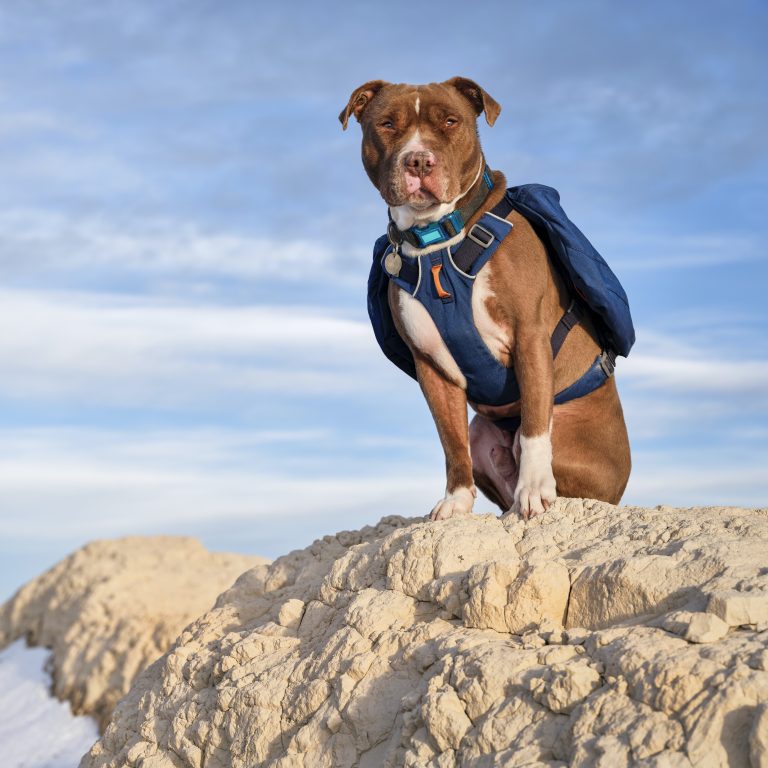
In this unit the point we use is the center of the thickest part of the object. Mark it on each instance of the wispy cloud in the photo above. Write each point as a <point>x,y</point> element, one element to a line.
<point>35,240</point>
<point>708,375</point>
<point>22,123</point>
<point>116,348</point>
<point>677,385</point>
<point>677,478</point>
<point>693,363</point>
<point>244,490</point>
<point>637,250</point>
<point>158,481</point>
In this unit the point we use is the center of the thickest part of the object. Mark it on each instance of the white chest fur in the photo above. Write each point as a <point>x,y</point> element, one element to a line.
<point>496,337</point>
<point>423,335</point>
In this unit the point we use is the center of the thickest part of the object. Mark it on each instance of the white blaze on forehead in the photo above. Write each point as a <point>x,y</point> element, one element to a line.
<point>417,105</point>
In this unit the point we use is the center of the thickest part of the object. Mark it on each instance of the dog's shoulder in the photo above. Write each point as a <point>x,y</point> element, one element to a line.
<point>520,269</point>
<point>522,242</point>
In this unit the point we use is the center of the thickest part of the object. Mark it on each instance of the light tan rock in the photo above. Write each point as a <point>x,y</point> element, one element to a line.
<point>113,607</point>
<point>539,594</point>
<point>403,654</point>
<point>290,614</point>
<point>706,628</point>
<point>695,627</point>
<point>445,718</point>
<point>738,608</point>
<point>565,685</point>
<point>488,593</point>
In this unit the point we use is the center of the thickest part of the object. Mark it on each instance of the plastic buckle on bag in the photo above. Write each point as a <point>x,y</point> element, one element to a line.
<point>608,362</point>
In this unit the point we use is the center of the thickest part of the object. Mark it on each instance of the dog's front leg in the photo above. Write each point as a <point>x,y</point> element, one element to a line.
<point>535,489</point>
<point>448,403</point>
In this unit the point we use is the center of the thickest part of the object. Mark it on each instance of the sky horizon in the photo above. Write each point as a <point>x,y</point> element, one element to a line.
<point>186,233</point>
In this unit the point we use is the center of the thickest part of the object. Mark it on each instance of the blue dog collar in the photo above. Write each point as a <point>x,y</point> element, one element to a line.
<point>439,231</point>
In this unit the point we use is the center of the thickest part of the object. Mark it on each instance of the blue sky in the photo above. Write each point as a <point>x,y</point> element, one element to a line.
<point>185,234</point>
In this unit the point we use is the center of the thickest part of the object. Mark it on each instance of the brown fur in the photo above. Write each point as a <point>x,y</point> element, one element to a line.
<point>591,456</point>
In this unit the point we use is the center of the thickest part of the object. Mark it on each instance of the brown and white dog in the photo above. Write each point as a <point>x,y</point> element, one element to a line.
<point>422,152</point>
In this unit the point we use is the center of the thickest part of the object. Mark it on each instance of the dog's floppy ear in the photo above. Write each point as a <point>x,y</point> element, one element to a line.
<point>477,97</point>
<point>359,99</point>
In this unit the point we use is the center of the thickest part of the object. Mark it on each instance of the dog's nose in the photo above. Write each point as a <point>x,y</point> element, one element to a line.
<point>419,163</point>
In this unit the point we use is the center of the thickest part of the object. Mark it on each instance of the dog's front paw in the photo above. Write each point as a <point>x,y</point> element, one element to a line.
<point>458,503</point>
<point>536,488</point>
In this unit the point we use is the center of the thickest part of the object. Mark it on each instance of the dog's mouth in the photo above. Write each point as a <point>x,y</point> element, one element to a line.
<point>422,199</point>
<point>420,193</point>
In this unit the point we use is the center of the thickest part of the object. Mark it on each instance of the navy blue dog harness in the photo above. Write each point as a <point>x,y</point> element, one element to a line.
<point>442,281</point>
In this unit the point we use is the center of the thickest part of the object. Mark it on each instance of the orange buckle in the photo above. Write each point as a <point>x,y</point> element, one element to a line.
<point>443,294</point>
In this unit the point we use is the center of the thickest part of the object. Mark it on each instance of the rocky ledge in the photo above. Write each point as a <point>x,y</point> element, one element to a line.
<point>592,636</point>
<point>113,607</point>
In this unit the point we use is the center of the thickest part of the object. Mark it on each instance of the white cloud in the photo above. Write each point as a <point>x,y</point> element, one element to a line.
<point>20,123</point>
<point>110,348</point>
<point>95,483</point>
<point>87,483</point>
<point>674,364</point>
<point>673,386</point>
<point>680,479</point>
<point>250,491</point>
<point>708,375</point>
<point>33,240</point>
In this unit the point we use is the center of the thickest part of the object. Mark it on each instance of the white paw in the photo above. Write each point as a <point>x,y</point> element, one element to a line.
<point>535,489</point>
<point>456,504</point>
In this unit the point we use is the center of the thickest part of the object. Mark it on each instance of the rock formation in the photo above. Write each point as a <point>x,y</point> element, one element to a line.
<point>591,636</point>
<point>113,607</point>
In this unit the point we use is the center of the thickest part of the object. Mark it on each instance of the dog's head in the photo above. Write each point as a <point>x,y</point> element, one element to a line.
<point>421,149</point>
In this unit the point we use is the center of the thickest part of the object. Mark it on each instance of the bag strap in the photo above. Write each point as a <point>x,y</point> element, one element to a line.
<point>562,329</point>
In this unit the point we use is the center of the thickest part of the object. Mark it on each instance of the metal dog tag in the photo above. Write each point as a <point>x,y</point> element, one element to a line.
<point>393,263</point>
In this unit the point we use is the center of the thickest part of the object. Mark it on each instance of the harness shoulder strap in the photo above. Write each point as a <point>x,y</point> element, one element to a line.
<point>481,235</point>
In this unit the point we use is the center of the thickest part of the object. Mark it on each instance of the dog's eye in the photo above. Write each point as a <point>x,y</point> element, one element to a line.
<point>388,124</point>
<point>450,122</point>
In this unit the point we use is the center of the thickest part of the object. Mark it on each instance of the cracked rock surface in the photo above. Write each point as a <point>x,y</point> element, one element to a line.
<point>591,636</point>
<point>113,607</point>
